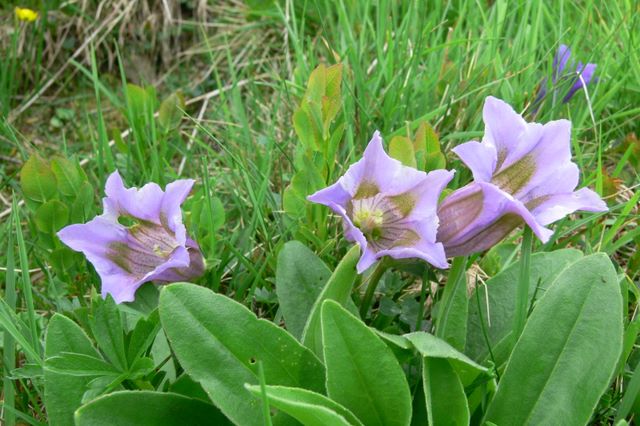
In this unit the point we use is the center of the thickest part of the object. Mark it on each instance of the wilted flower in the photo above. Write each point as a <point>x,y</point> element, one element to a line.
<point>138,238</point>
<point>387,208</point>
<point>580,75</point>
<point>522,173</point>
<point>24,14</point>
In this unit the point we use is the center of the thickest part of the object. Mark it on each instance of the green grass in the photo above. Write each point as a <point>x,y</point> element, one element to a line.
<point>243,73</point>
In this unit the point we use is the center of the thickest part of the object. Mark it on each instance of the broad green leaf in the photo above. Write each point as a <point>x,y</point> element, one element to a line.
<point>568,351</point>
<point>446,400</point>
<point>432,347</point>
<point>69,176</point>
<point>362,373</point>
<point>401,149</point>
<point>107,329</point>
<point>37,180</point>
<point>219,343</point>
<point>309,408</point>
<point>337,288</point>
<point>171,111</point>
<point>51,216</point>
<point>140,408</point>
<point>300,277</point>
<point>142,336</point>
<point>81,365</point>
<point>317,84</point>
<point>498,295</point>
<point>63,393</point>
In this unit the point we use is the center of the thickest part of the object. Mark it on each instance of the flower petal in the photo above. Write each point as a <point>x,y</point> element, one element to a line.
<point>170,208</point>
<point>481,158</point>
<point>143,203</point>
<point>557,206</point>
<point>584,75</point>
<point>503,128</point>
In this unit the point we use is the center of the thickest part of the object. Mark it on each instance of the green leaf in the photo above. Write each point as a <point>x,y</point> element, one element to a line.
<point>142,336</point>
<point>37,180</point>
<point>81,365</point>
<point>63,393</point>
<point>432,347</point>
<point>338,288</point>
<point>139,408</point>
<point>171,111</point>
<point>51,216</point>
<point>401,149</point>
<point>219,343</point>
<point>567,354</point>
<point>498,296</point>
<point>446,400</point>
<point>362,373</point>
<point>309,408</point>
<point>106,326</point>
<point>300,277</point>
<point>69,176</point>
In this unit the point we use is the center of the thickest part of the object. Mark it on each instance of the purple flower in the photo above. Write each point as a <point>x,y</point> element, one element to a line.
<point>387,208</point>
<point>581,74</point>
<point>152,246</point>
<point>522,173</point>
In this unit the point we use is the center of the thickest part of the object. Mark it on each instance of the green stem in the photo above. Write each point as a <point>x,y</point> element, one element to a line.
<point>454,281</point>
<point>374,278</point>
<point>522,298</point>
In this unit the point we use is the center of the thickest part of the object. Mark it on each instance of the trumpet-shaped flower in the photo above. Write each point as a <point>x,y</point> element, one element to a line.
<point>522,173</point>
<point>138,238</point>
<point>387,208</point>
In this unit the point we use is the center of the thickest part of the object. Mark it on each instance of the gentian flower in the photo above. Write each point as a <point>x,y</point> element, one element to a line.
<point>581,74</point>
<point>387,208</point>
<point>522,173</point>
<point>138,238</point>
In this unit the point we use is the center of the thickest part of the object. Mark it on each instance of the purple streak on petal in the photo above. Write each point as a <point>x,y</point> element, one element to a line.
<point>379,200</point>
<point>557,206</point>
<point>479,157</point>
<point>479,215</point>
<point>560,61</point>
<point>584,76</point>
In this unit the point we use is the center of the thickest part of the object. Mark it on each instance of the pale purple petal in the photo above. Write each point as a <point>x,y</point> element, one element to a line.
<point>557,206</point>
<point>479,157</point>
<point>380,201</point>
<point>143,203</point>
<point>153,248</point>
<point>502,127</point>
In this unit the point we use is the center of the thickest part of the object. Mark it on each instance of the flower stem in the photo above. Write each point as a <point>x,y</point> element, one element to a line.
<point>522,298</point>
<point>374,278</point>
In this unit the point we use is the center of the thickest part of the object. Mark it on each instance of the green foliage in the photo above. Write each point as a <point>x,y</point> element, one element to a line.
<point>378,396</point>
<point>197,322</point>
<point>133,408</point>
<point>575,364</point>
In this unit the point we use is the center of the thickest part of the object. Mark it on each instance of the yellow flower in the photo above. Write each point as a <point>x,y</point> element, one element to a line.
<point>25,14</point>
